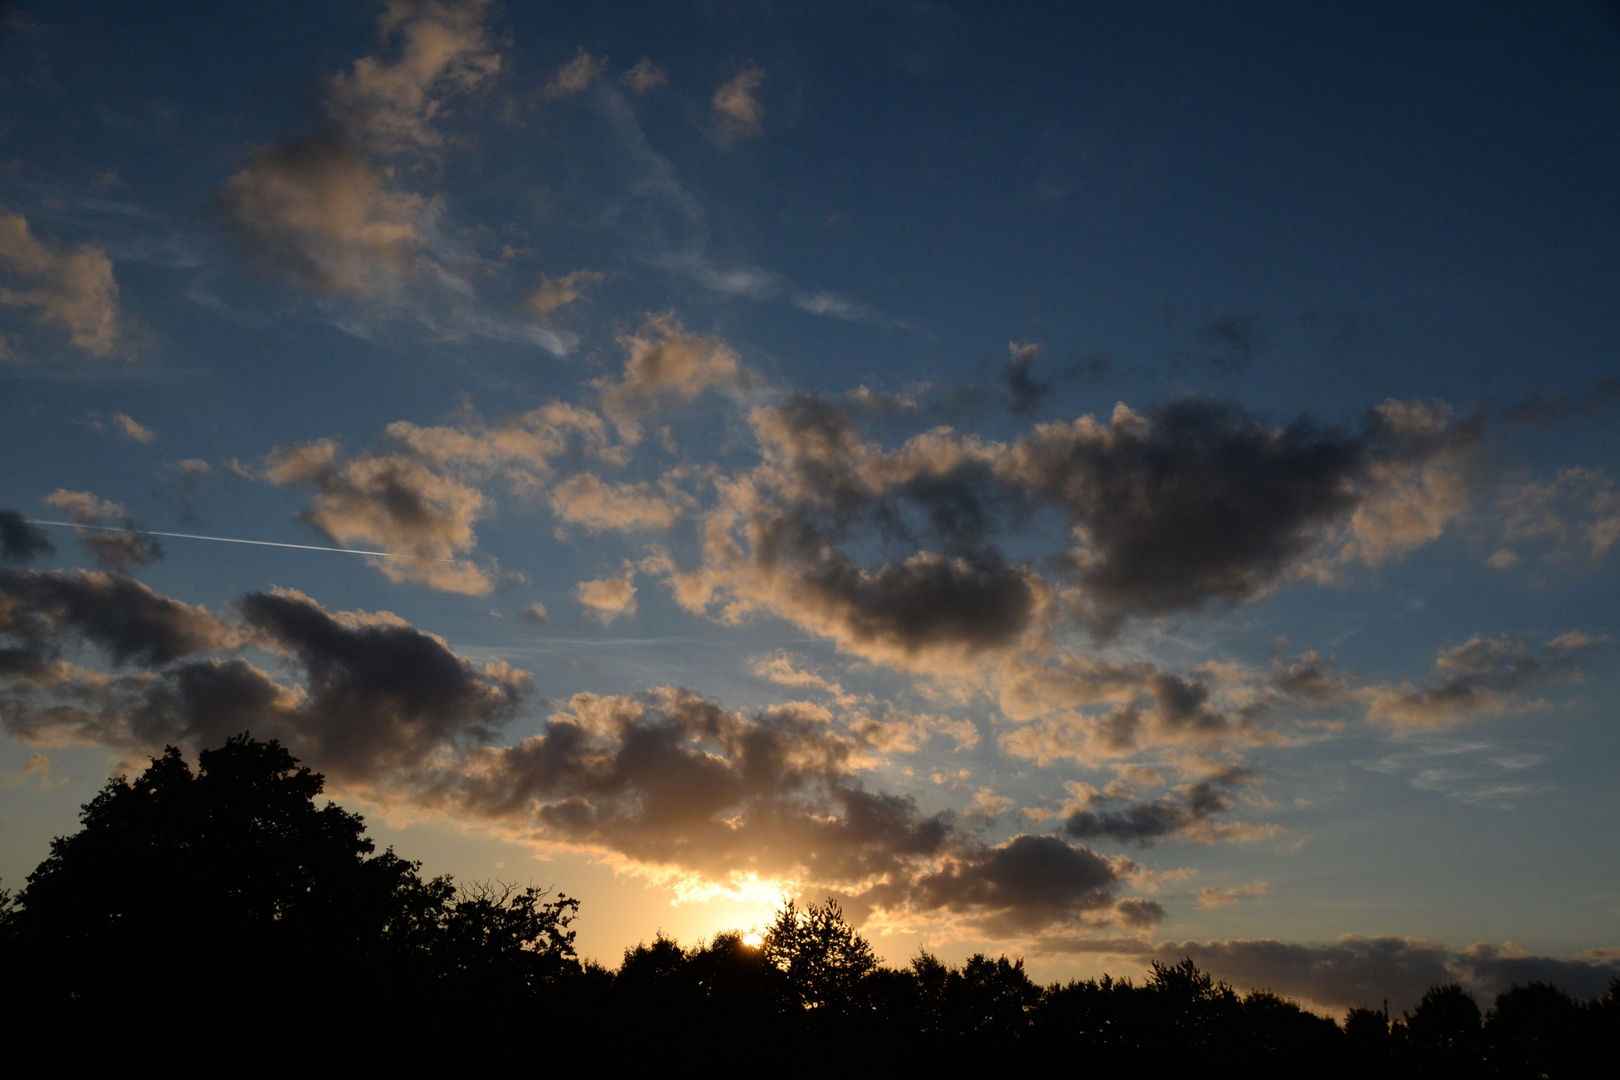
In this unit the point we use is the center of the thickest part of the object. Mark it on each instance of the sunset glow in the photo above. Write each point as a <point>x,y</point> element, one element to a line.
<point>1096,484</point>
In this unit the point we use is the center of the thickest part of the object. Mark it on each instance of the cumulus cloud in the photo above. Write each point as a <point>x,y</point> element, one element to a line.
<point>1022,885</point>
<point>607,599</point>
<point>1213,897</point>
<point>1189,812</point>
<point>1092,712</point>
<point>373,695</point>
<point>115,548</point>
<point>644,76</point>
<point>328,211</point>
<point>776,543</point>
<point>663,362</point>
<point>45,613</point>
<point>1577,513</point>
<point>68,288</point>
<point>417,493</point>
<point>21,542</point>
<point>1549,410</point>
<point>737,111</point>
<point>586,501</point>
<point>1196,504</point>
<point>536,613</point>
<point>574,76</point>
<point>555,293</point>
<point>1202,503</point>
<point>443,49</point>
<point>422,518</point>
<point>125,425</point>
<point>323,214</point>
<point>668,782</point>
<point>1027,391</point>
<point>1480,677</point>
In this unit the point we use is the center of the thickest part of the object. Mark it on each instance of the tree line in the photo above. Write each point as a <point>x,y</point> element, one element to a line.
<point>221,909</point>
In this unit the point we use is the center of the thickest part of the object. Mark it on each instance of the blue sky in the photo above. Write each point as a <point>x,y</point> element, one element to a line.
<point>1091,484</point>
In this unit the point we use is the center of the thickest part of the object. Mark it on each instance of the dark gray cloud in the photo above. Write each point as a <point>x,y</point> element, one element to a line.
<point>1022,885</point>
<point>1233,341</point>
<point>54,610</point>
<point>1548,410</point>
<point>21,542</point>
<point>1201,502</point>
<point>1481,676</point>
<point>374,695</point>
<point>1359,971</point>
<point>891,553</point>
<point>670,778</point>
<point>1027,392</point>
<point>380,694</point>
<point>123,551</point>
<point>1189,810</point>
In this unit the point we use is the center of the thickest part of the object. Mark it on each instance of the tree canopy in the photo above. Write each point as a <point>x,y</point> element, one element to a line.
<point>201,900</point>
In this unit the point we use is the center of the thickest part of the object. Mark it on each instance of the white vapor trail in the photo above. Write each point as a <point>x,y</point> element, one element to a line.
<point>226,539</point>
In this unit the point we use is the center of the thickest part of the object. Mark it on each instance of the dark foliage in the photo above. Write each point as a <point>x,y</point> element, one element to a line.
<point>226,909</point>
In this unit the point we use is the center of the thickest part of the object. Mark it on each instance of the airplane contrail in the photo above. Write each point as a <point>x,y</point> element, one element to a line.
<point>228,540</point>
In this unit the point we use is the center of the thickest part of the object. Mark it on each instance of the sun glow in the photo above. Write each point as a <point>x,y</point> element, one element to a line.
<point>753,940</point>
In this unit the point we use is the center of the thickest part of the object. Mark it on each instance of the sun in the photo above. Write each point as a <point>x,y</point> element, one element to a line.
<point>753,940</point>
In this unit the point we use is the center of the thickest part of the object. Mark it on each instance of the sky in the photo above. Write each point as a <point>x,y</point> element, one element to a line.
<point>1095,484</point>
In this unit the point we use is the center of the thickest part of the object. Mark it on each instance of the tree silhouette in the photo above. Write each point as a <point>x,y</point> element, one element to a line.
<point>228,891</point>
<point>824,960</point>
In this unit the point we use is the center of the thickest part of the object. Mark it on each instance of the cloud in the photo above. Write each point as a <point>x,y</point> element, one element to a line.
<point>1234,340</point>
<point>391,500</point>
<point>375,696</point>
<point>662,361</point>
<point>554,293</point>
<point>574,76</point>
<point>1212,897</point>
<point>1473,772</point>
<point>737,110</point>
<point>21,542</point>
<point>120,551</point>
<point>1027,391</point>
<point>48,612</point>
<point>392,105</point>
<point>536,613</point>
<point>1549,410</point>
<point>775,543</point>
<point>1364,972</point>
<point>131,430</point>
<point>1482,676</point>
<point>644,76</point>
<point>1576,513</point>
<point>379,695</point>
<point>1201,503</point>
<point>666,782</point>
<point>1189,812</point>
<point>325,216</point>
<point>418,493</point>
<point>1022,885</point>
<point>69,288</point>
<point>82,506</point>
<point>1092,712</point>
<point>330,211</point>
<point>586,501</point>
<point>607,599</point>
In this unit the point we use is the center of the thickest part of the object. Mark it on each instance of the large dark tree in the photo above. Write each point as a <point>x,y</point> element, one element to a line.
<point>230,892</point>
